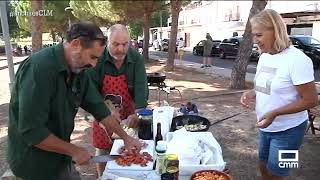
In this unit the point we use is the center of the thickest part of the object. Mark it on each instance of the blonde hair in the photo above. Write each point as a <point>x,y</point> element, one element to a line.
<point>269,19</point>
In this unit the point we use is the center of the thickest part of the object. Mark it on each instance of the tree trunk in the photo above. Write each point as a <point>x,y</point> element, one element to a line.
<point>36,30</point>
<point>146,36</point>
<point>239,69</point>
<point>53,35</point>
<point>175,10</point>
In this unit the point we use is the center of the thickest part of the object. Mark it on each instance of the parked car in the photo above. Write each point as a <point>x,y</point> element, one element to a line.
<point>309,45</point>
<point>230,47</point>
<point>156,45</point>
<point>165,45</point>
<point>198,49</point>
<point>141,43</point>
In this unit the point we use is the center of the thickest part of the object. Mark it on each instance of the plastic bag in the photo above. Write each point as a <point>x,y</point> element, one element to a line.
<point>189,152</point>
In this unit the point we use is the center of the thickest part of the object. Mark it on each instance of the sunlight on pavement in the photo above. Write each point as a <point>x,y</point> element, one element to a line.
<point>3,132</point>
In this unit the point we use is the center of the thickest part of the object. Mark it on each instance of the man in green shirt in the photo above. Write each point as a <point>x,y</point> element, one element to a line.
<point>120,74</point>
<point>50,86</point>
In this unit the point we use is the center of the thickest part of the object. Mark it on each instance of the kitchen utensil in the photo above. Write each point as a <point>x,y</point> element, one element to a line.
<point>102,158</point>
<point>205,173</point>
<point>183,120</point>
<point>156,78</point>
<point>195,120</point>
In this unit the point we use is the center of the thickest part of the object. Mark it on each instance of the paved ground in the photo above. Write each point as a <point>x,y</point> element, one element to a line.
<point>237,136</point>
<point>220,63</point>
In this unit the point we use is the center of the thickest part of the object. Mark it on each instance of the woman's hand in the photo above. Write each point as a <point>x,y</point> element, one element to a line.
<point>266,119</point>
<point>247,98</point>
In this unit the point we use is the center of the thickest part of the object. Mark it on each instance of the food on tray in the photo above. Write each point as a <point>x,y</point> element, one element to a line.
<point>122,150</point>
<point>193,127</point>
<point>209,175</point>
<point>127,159</point>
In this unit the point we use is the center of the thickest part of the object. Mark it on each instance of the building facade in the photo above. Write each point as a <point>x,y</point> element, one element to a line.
<point>222,18</point>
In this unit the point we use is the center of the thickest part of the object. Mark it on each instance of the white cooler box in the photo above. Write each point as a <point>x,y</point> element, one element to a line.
<point>189,169</point>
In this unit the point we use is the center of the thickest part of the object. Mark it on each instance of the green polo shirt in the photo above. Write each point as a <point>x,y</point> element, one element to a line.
<point>134,69</point>
<point>43,103</point>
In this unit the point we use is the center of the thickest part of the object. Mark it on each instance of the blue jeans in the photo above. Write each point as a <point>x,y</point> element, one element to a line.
<point>271,142</point>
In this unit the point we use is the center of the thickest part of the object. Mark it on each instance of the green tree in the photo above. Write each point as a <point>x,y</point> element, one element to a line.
<point>98,12</point>
<point>176,7</point>
<point>55,23</point>
<point>131,10</point>
<point>155,19</point>
<point>239,69</point>
<point>14,29</point>
<point>135,29</point>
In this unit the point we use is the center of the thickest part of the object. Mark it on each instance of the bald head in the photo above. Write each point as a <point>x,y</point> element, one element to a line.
<point>118,41</point>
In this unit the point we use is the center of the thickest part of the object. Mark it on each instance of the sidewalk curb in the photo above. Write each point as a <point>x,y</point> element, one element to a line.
<point>5,67</point>
<point>213,71</point>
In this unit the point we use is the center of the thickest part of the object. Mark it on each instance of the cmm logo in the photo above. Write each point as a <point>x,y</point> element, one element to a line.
<point>288,162</point>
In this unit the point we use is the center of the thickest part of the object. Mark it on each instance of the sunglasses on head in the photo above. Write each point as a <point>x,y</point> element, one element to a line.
<point>102,39</point>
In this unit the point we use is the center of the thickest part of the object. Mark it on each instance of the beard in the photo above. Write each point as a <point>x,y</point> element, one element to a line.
<point>75,59</point>
<point>117,57</point>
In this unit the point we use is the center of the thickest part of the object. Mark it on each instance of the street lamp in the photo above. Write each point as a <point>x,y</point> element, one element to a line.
<point>69,10</point>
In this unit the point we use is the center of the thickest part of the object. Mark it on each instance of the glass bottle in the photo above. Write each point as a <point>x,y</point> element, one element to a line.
<point>158,135</point>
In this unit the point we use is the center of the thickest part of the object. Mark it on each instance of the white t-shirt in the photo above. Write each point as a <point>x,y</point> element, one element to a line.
<point>180,44</point>
<point>275,82</point>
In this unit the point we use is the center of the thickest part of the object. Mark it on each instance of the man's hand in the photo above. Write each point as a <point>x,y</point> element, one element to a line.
<point>54,144</point>
<point>247,98</point>
<point>111,122</point>
<point>80,156</point>
<point>131,144</point>
<point>132,121</point>
<point>266,119</point>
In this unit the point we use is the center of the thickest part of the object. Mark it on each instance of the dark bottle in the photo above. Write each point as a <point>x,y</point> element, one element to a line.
<point>159,135</point>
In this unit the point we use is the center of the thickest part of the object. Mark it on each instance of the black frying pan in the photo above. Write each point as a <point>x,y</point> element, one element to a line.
<point>180,121</point>
<point>155,78</point>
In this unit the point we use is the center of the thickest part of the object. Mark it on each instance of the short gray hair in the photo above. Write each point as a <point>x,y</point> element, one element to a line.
<point>117,27</point>
<point>270,19</point>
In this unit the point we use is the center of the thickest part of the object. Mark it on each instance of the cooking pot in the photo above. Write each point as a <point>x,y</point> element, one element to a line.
<point>156,78</point>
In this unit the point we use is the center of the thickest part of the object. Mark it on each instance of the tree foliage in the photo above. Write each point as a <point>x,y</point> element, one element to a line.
<point>98,12</point>
<point>14,29</point>
<point>155,19</point>
<point>55,24</point>
<point>143,10</point>
<point>135,29</point>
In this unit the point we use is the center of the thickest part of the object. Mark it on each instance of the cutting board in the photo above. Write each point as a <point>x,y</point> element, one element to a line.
<point>118,143</point>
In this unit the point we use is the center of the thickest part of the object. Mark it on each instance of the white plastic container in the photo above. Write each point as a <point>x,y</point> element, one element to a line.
<point>188,170</point>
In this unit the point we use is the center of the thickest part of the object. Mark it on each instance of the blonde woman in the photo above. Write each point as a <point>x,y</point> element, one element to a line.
<point>284,90</point>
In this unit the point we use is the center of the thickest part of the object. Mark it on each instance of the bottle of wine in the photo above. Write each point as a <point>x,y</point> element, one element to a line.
<point>158,135</point>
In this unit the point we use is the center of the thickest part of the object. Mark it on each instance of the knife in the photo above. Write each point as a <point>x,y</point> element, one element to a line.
<point>102,158</point>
